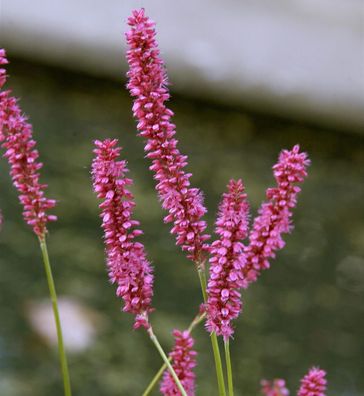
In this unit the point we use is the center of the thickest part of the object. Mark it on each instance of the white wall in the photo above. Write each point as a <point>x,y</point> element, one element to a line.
<point>299,58</point>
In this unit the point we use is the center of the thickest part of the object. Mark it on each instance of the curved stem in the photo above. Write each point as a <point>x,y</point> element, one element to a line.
<point>213,337</point>
<point>196,321</point>
<point>155,341</point>
<point>53,295</point>
<point>228,368</point>
<point>154,381</point>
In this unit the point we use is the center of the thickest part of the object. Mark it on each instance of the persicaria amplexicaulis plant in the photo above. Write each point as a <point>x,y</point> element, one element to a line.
<point>16,138</point>
<point>127,264</point>
<point>226,263</point>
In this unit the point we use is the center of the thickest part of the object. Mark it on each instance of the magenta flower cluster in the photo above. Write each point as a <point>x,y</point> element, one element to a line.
<point>276,387</point>
<point>275,214</point>
<point>16,138</point>
<point>314,383</point>
<point>147,83</point>
<point>233,265</point>
<point>183,361</point>
<point>127,264</point>
<point>227,261</point>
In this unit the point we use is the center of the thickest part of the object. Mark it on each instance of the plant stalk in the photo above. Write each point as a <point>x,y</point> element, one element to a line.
<point>213,337</point>
<point>155,379</point>
<point>53,295</point>
<point>228,368</point>
<point>197,320</point>
<point>155,341</point>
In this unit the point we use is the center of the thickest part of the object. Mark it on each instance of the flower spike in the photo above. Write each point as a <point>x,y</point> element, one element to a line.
<point>127,264</point>
<point>183,361</point>
<point>16,136</point>
<point>227,261</point>
<point>148,84</point>
<point>274,216</point>
<point>276,387</point>
<point>314,383</point>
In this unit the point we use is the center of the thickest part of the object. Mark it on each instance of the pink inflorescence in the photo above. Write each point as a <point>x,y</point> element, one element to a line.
<point>183,362</point>
<point>227,261</point>
<point>148,84</point>
<point>314,383</point>
<point>276,387</point>
<point>17,140</point>
<point>127,264</point>
<point>274,216</point>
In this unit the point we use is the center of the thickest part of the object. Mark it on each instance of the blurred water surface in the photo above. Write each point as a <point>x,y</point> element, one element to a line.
<point>307,310</point>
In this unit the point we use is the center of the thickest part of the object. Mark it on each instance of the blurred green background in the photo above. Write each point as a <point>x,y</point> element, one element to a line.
<point>306,310</point>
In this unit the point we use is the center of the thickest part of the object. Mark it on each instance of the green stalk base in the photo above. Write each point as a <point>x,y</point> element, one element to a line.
<point>53,295</point>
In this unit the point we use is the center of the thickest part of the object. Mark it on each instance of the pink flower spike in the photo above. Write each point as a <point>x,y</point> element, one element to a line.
<point>314,383</point>
<point>17,139</point>
<point>127,264</point>
<point>227,261</point>
<point>183,362</point>
<point>274,216</point>
<point>276,387</point>
<point>148,84</point>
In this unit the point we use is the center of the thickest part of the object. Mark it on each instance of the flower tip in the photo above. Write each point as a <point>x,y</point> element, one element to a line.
<point>3,58</point>
<point>97,143</point>
<point>313,383</point>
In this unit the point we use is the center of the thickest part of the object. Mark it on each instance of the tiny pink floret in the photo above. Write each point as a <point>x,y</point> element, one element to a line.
<point>148,84</point>
<point>3,61</point>
<point>276,387</point>
<point>183,362</point>
<point>127,264</point>
<point>227,261</point>
<point>274,216</point>
<point>314,383</point>
<point>16,136</point>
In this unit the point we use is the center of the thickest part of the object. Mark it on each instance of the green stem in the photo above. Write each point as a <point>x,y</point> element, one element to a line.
<point>213,337</point>
<point>197,320</point>
<point>228,368</point>
<point>166,361</point>
<point>155,380</point>
<point>53,295</point>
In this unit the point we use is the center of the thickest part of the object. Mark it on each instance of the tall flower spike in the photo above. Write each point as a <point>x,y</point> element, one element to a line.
<point>227,261</point>
<point>276,387</point>
<point>127,264</point>
<point>17,140</point>
<point>274,216</point>
<point>147,83</point>
<point>183,361</point>
<point>314,383</point>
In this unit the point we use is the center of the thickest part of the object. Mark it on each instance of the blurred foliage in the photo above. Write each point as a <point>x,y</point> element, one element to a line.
<point>307,310</point>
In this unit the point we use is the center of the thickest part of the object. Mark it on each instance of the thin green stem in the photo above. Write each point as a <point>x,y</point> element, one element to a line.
<point>154,381</point>
<point>53,295</point>
<point>155,341</point>
<point>203,282</point>
<point>213,337</point>
<point>196,321</point>
<point>218,365</point>
<point>228,368</point>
